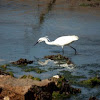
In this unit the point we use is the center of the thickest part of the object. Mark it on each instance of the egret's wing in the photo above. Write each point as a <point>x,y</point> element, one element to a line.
<point>64,40</point>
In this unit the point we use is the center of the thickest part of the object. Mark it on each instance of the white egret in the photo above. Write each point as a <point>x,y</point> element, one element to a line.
<point>60,41</point>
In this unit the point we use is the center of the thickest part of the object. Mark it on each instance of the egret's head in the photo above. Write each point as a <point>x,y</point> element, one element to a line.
<point>42,39</point>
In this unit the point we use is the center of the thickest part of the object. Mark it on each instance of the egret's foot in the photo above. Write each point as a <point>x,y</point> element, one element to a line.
<point>76,53</point>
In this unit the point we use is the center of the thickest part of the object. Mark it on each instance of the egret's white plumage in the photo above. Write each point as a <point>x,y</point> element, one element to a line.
<point>60,41</point>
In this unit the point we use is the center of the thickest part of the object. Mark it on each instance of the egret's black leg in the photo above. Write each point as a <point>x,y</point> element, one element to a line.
<point>74,49</point>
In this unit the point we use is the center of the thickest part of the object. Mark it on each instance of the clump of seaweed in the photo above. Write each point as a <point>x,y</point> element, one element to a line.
<point>22,61</point>
<point>30,77</point>
<point>92,82</point>
<point>72,78</point>
<point>11,74</point>
<point>58,96</point>
<point>58,57</point>
<point>4,67</point>
<point>93,98</point>
<point>63,89</point>
<point>37,70</point>
<point>6,73</point>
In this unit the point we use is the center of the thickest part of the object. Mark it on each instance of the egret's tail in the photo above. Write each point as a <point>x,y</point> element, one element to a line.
<point>75,37</point>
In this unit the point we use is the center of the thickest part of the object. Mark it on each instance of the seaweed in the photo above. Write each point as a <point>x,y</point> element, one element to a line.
<point>72,78</point>
<point>4,67</point>
<point>92,82</point>
<point>59,57</point>
<point>22,61</point>
<point>58,96</point>
<point>63,90</point>
<point>37,70</point>
<point>30,77</point>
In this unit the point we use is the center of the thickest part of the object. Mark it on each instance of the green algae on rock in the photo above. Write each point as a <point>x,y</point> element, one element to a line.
<point>37,70</point>
<point>30,77</point>
<point>63,88</point>
<point>59,57</point>
<point>4,67</point>
<point>93,98</point>
<point>72,78</point>
<point>6,73</point>
<point>58,96</point>
<point>92,82</point>
<point>22,61</point>
<point>11,74</point>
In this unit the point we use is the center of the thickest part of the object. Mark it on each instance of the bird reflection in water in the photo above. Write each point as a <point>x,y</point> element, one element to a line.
<point>60,63</point>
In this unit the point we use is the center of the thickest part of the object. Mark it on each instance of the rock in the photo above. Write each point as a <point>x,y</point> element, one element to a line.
<point>0,89</point>
<point>30,77</point>
<point>59,57</point>
<point>63,87</point>
<point>22,62</point>
<point>6,98</point>
<point>4,73</point>
<point>26,89</point>
<point>93,98</point>
<point>56,76</point>
<point>91,82</point>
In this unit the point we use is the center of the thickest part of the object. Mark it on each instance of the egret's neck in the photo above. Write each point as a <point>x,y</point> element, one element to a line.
<point>48,42</point>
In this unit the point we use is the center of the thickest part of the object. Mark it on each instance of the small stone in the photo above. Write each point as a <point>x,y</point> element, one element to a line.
<point>6,98</point>
<point>56,76</point>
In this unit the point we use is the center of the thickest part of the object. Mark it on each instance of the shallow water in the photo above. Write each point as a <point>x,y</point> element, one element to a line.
<point>23,22</point>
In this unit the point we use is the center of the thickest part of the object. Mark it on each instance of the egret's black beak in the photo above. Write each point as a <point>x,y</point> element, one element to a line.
<point>36,43</point>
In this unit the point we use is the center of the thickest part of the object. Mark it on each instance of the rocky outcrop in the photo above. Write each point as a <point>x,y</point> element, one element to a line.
<point>59,57</point>
<point>4,73</point>
<point>27,89</point>
<point>22,61</point>
<point>93,98</point>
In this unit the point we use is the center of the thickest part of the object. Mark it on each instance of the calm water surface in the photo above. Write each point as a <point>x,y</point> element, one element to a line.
<point>23,22</point>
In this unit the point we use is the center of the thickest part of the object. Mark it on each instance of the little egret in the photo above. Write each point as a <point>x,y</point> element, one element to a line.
<point>60,41</point>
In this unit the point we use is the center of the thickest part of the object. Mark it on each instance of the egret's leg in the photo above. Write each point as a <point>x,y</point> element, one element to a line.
<point>74,49</point>
<point>62,50</point>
